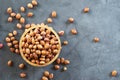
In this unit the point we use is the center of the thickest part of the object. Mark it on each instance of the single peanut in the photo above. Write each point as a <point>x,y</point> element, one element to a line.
<point>12,49</point>
<point>30,14</point>
<point>10,19</point>
<point>10,63</point>
<point>46,73</point>
<point>49,20</point>
<point>9,10</point>
<point>18,16</point>
<point>34,3</point>
<point>56,67</point>
<point>65,42</point>
<point>29,5</point>
<point>58,61</point>
<point>14,32</point>
<point>44,78</point>
<point>66,62</point>
<point>7,39</point>
<point>86,10</point>
<point>10,34</point>
<point>23,75</point>
<point>21,66</point>
<point>22,9</point>
<point>114,73</point>
<point>9,44</point>
<point>22,20</point>
<point>96,39</point>
<point>61,33</point>
<point>53,14</point>
<point>74,31</point>
<point>51,76</point>
<point>71,20</point>
<point>64,68</point>
<point>13,14</point>
<point>27,26</point>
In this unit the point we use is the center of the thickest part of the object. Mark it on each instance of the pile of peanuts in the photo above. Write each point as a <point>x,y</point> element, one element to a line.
<point>12,42</point>
<point>40,45</point>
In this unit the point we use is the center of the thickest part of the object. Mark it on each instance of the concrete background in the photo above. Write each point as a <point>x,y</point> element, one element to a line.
<point>89,60</point>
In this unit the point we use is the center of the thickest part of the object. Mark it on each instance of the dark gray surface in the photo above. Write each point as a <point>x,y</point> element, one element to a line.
<point>89,61</point>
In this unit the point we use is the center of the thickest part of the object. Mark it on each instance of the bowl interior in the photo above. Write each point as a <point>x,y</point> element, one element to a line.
<point>33,27</point>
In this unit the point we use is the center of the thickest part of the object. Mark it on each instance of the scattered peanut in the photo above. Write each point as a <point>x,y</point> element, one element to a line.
<point>12,49</point>
<point>27,26</point>
<point>66,62</point>
<point>13,14</point>
<point>86,10</point>
<point>62,60</point>
<point>65,42</point>
<point>23,75</point>
<point>44,78</point>
<point>12,38</point>
<point>61,33</point>
<point>49,20</point>
<point>58,61</point>
<point>10,19</point>
<point>7,39</point>
<point>71,20</point>
<point>15,42</point>
<point>22,20</point>
<point>30,14</point>
<point>17,51</point>
<point>14,32</point>
<point>21,66</point>
<point>96,39</point>
<point>53,14</point>
<point>18,16</point>
<point>46,73</point>
<point>64,68</point>
<point>29,5</point>
<point>22,9</point>
<point>34,3</point>
<point>9,44</point>
<point>9,10</point>
<point>114,73</point>
<point>10,63</point>
<point>74,31</point>
<point>51,76</point>
<point>10,34</point>
<point>56,67</point>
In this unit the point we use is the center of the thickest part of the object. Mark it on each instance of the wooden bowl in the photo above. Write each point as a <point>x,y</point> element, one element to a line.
<point>33,27</point>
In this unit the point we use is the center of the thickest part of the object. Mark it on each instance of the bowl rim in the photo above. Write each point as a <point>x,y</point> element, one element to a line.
<point>37,26</point>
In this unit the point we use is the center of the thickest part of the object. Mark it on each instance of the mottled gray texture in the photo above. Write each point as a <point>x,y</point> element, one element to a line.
<point>89,61</point>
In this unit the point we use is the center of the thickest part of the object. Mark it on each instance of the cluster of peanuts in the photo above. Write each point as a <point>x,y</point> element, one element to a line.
<point>47,75</point>
<point>18,16</point>
<point>62,61</point>
<point>12,42</point>
<point>40,45</point>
